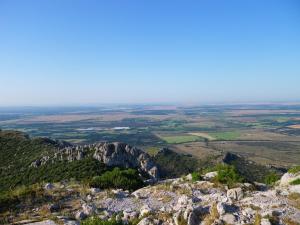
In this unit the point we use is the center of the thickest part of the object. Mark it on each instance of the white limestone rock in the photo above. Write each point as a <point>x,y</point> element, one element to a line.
<point>287,178</point>
<point>235,193</point>
<point>210,175</point>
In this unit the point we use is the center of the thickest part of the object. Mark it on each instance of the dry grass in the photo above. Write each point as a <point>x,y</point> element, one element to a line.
<point>212,216</point>
<point>257,219</point>
<point>295,200</point>
<point>164,216</point>
<point>181,220</point>
<point>254,207</point>
<point>288,221</point>
<point>166,198</point>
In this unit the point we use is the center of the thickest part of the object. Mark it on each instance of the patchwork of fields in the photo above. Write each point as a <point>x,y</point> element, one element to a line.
<point>264,133</point>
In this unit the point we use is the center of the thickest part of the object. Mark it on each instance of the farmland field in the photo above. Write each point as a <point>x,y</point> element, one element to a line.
<point>229,135</point>
<point>268,134</point>
<point>180,139</point>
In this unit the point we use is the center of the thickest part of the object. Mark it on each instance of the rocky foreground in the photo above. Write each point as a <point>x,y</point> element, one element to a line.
<point>175,202</point>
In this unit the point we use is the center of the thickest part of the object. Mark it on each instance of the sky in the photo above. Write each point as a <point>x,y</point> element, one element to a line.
<point>70,52</point>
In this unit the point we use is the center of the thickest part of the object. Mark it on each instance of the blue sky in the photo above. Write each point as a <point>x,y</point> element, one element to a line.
<point>68,52</point>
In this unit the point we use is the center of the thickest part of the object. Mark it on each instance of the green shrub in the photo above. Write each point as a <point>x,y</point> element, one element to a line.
<point>196,176</point>
<point>97,221</point>
<point>172,164</point>
<point>271,178</point>
<point>294,170</point>
<point>128,179</point>
<point>227,174</point>
<point>295,182</point>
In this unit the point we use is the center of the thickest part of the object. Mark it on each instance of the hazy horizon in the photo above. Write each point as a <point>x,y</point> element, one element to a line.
<point>76,53</point>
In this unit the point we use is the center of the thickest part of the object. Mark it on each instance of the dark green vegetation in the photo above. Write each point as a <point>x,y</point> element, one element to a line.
<point>271,178</point>
<point>18,151</point>
<point>126,179</point>
<point>82,170</point>
<point>296,182</point>
<point>228,175</point>
<point>172,164</point>
<point>252,171</point>
<point>23,151</point>
<point>196,176</point>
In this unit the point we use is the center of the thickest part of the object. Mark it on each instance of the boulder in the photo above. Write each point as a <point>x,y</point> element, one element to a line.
<point>80,215</point>
<point>138,194</point>
<point>288,177</point>
<point>260,186</point>
<point>120,193</point>
<point>195,215</point>
<point>95,190</point>
<point>235,193</point>
<point>71,222</point>
<point>221,208</point>
<point>89,209</point>
<point>145,210</point>
<point>105,215</point>
<point>182,202</point>
<point>265,221</point>
<point>53,207</point>
<point>210,175</point>
<point>129,215</point>
<point>189,177</point>
<point>229,219</point>
<point>294,189</point>
<point>89,198</point>
<point>48,186</point>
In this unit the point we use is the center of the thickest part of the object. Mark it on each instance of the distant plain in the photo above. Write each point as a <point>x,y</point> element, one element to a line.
<point>267,134</point>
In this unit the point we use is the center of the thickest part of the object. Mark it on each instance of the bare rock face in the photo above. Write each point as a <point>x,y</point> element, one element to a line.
<point>289,177</point>
<point>123,155</point>
<point>111,154</point>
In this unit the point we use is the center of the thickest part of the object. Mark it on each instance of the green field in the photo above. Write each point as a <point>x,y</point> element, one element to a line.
<point>180,139</point>
<point>228,135</point>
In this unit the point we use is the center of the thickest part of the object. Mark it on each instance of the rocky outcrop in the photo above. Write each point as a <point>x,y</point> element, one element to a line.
<point>177,202</point>
<point>120,154</point>
<point>287,178</point>
<point>111,154</point>
<point>285,186</point>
